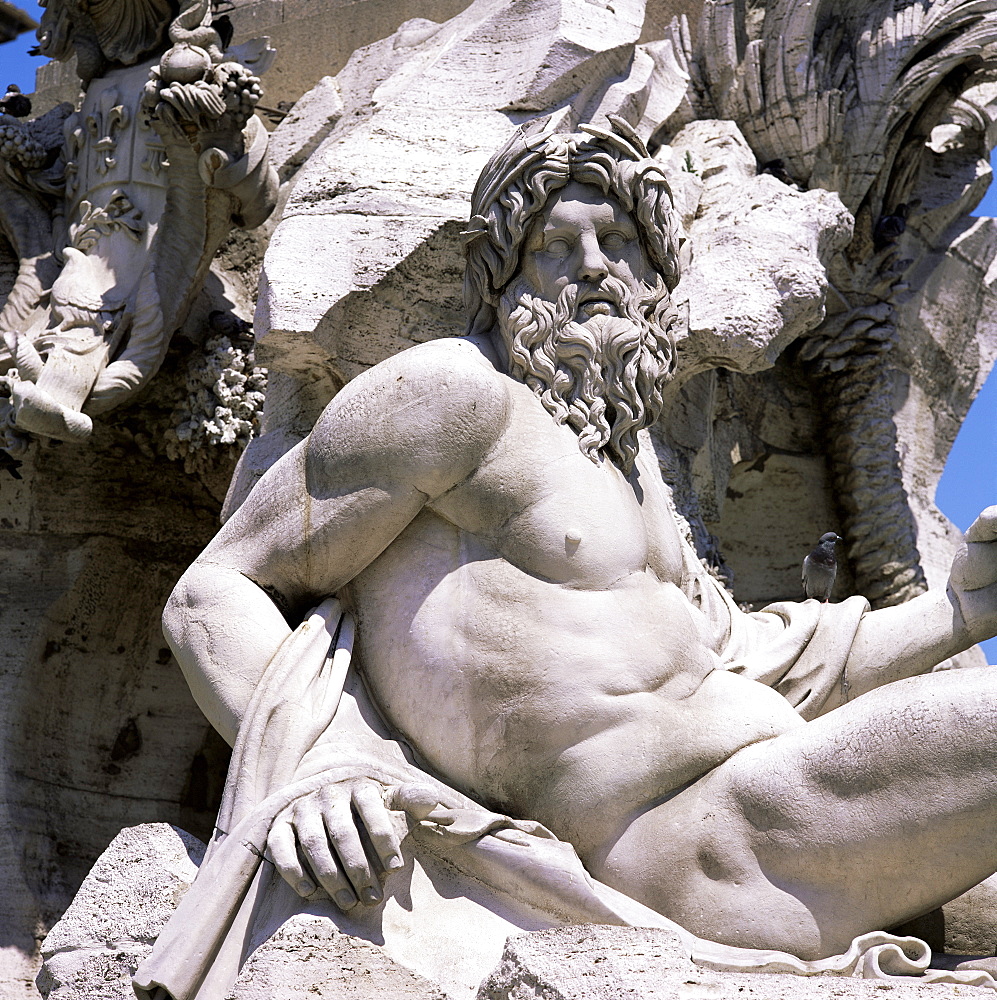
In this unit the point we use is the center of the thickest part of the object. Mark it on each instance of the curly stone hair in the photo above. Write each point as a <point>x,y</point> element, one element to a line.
<point>520,179</point>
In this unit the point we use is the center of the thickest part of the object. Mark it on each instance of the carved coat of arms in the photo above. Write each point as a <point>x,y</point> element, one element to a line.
<point>116,208</point>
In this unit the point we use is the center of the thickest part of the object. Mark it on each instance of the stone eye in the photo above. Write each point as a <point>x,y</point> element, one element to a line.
<point>558,248</point>
<point>613,240</point>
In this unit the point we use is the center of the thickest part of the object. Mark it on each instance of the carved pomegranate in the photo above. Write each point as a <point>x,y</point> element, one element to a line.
<point>184,63</point>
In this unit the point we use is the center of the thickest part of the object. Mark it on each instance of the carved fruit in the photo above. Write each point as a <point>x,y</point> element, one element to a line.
<point>184,63</point>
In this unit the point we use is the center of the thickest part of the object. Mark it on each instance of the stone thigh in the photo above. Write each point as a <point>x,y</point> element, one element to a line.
<point>870,815</point>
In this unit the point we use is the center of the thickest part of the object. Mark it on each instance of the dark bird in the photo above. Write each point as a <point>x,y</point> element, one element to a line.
<point>819,568</point>
<point>777,168</point>
<point>889,228</point>
<point>11,464</point>
<point>226,30</point>
<point>14,103</point>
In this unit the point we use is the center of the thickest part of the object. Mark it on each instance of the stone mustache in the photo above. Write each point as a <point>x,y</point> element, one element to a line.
<point>116,208</point>
<point>541,657</point>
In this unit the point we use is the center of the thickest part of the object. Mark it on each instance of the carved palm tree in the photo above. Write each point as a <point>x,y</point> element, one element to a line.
<point>847,97</point>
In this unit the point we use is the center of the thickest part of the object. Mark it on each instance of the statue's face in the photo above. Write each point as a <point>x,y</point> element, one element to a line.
<point>582,237</point>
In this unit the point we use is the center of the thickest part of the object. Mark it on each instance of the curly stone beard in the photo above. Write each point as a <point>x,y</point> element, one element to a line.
<point>602,377</point>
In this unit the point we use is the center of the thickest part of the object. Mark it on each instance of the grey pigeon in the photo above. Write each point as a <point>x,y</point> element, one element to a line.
<point>889,228</point>
<point>14,103</point>
<point>819,568</point>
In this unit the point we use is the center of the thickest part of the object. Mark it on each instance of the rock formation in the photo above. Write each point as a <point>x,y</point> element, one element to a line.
<point>836,305</point>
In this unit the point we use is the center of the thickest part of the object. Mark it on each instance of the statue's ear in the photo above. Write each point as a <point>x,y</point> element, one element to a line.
<point>129,30</point>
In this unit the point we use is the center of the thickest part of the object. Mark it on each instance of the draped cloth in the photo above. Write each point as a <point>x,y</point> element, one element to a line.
<point>310,724</point>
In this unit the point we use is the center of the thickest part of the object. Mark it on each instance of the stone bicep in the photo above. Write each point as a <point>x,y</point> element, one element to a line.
<point>425,419</point>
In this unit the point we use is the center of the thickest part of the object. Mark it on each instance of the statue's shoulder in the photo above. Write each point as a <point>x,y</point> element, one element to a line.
<point>459,360</point>
<point>441,405</point>
<point>445,375</point>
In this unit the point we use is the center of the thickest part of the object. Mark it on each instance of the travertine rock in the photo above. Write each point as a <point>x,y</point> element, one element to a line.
<point>118,913</point>
<point>970,922</point>
<point>133,889</point>
<point>366,258</point>
<point>308,957</point>
<point>891,107</point>
<point>97,728</point>
<point>611,963</point>
<point>314,38</point>
<point>755,276</point>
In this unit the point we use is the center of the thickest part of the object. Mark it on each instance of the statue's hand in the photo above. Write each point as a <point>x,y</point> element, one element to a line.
<point>327,825</point>
<point>330,826</point>
<point>974,576</point>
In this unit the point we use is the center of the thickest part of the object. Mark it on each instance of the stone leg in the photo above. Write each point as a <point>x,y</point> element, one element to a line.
<point>872,814</point>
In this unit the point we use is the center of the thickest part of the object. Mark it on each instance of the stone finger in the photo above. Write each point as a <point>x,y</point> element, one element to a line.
<point>344,836</point>
<point>377,822</point>
<point>283,849</point>
<point>315,844</point>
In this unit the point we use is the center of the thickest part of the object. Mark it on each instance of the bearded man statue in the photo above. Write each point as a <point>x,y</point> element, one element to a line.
<point>550,694</point>
<point>597,356</point>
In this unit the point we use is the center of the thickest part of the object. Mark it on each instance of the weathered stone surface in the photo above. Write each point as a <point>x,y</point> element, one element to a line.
<point>611,963</point>
<point>118,912</point>
<point>132,890</point>
<point>879,364</point>
<point>366,261</point>
<point>971,921</point>
<point>751,451</point>
<point>342,26</point>
<point>755,276</point>
<point>308,957</point>
<point>97,728</point>
<point>590,961</point>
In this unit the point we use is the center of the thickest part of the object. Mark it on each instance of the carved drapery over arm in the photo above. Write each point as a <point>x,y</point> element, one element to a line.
<point>802,650</point>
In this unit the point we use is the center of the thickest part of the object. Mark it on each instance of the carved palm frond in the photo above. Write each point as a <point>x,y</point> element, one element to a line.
<point>846,95</point>
<point>834,89</point>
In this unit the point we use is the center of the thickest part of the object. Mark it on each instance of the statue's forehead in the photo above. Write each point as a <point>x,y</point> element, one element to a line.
<point>577,201</point>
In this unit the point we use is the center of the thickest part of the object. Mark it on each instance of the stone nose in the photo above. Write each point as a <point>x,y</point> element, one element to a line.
<point>593,266</point>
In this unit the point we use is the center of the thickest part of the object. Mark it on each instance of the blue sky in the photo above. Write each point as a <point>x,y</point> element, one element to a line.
<point>970,480</point>
<point>16,66</point>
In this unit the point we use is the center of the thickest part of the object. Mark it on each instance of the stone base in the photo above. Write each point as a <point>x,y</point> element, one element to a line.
<point>118,913</point>
<point>134,887</point>
<point>643,963</point>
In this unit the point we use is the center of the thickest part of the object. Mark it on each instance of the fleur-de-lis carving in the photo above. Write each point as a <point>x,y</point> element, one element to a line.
<point>155,160</point>
<point>111,117</point>
<point>97,221</point>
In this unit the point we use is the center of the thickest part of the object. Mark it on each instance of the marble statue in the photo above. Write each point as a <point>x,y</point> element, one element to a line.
<point>538,643</point>
<point>117,221</point>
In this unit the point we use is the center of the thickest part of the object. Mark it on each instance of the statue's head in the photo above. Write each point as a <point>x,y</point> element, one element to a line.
<point>105,33</point>
<point>572,252</point>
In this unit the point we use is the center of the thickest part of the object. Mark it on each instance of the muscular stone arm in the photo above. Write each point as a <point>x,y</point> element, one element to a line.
<point>903,641</point>
<point>398,436</point>
<point>911,638</point>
